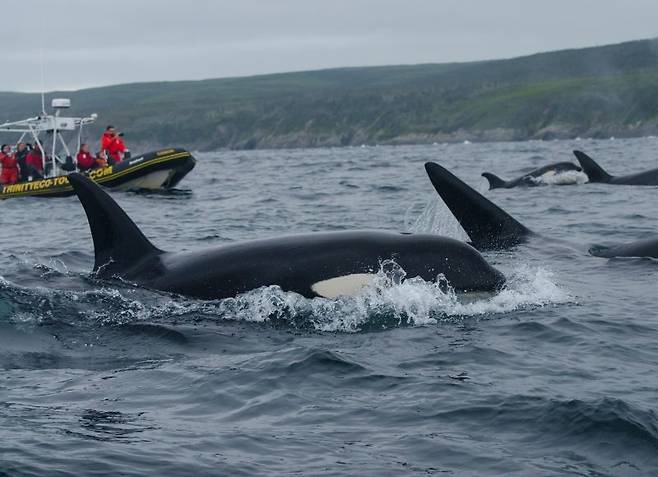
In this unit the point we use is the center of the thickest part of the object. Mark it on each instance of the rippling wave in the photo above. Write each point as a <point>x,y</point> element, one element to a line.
<point>555,374</point>
<point>392,300</point>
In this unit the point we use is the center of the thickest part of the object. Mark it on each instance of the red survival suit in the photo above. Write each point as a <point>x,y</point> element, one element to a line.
<point>114,146</point>
<point>86,161</point>
<point>9,168</point>
<point>34,163</point>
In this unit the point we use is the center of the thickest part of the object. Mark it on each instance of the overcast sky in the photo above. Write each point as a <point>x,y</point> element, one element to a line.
<point>99,42</point>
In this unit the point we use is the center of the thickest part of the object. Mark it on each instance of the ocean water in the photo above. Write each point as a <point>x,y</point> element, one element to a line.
<point>554,375</point>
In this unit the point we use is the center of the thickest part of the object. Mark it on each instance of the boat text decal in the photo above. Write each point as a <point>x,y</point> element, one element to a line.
<point>105,171</point>
<point>52,182</point>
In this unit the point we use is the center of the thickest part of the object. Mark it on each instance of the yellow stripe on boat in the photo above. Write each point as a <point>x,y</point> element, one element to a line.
<point>106,174</point>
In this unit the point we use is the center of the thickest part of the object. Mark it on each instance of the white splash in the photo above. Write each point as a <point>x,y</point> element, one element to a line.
<point>436,219</point>
<point>391,302</point>
<point>562,178</point>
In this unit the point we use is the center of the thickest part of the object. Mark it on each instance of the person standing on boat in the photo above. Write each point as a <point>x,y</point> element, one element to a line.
<point>113,145</point>
<point>9,164</point>
<point>86,160</point>
<point>21,156</point>
<point>107,138</point>
<point>34,163</point>
<point>121,146</point>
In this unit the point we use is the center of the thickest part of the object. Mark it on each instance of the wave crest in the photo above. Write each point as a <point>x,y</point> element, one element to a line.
<point>562,178</point>
<point>390,301</point>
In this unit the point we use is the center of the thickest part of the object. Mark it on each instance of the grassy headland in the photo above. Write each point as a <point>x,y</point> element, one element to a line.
<point>591,92</point>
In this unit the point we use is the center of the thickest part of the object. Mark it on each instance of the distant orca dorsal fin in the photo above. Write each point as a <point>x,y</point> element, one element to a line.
<point>118,242</point>
<point>594,172</point>
<point>495,182</point>
<point>487,225</point>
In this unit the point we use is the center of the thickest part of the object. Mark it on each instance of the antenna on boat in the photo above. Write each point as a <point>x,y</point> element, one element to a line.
<point>43,84</point>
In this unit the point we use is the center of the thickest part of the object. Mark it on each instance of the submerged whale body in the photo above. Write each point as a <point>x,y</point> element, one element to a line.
<point>490,227</point>
<point>537,177</point>
<point>640,248</point>
<point>596,173</point>
<point>316,264</point>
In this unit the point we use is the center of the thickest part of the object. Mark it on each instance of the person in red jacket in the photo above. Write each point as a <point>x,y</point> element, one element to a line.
<point>117,148</point>
<point>86,160</point>
<point>34,163</point>
<point>107,138</point>
<point>113,144</point>
<point>120,145</point>
<point>9,164</point>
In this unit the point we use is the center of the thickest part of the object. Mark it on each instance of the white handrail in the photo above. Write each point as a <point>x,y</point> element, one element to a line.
<point>49,123</point>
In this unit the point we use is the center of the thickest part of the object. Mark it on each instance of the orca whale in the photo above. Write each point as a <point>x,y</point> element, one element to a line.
<point>490,227</point>
<point>532,178</point>
<point>639,248</point>
<point>596,173</point>
<point>313,265</point>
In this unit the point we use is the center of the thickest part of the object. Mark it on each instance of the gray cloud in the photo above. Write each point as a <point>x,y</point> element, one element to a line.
<point>88,43</point>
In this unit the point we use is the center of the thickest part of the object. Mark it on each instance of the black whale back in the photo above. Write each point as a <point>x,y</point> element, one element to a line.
<point>298,262</point>
<point>530,178</point>
<point>639,248</point>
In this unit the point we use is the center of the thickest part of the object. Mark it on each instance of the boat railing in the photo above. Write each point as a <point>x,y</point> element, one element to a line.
<point>46,131</point>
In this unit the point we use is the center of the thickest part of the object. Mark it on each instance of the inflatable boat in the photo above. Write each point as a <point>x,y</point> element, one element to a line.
<point>162,169</point>
<point>154,170</point>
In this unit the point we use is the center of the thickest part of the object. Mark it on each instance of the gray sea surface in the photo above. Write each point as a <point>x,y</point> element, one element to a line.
<point>557,374</point>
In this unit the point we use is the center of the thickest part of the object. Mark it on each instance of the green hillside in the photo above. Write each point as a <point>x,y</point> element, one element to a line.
<point>591,92</point>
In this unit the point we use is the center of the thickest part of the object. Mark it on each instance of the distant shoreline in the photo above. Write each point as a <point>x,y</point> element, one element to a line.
<point>444,143</point>
<point>458,139</point>
<point>595,92</point>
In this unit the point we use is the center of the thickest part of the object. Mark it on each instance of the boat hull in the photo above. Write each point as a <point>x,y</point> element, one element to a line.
<point>156,170</point>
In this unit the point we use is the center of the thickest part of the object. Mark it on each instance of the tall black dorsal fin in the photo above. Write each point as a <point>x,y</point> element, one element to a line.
<point>495,182</point>
<point>118,242</point>
<point>595,173</point>
<point>487,225</point>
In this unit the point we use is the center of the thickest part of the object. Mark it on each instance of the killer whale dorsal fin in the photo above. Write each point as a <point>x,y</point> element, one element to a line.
<point>487,225</point>
<point>594,172</point>
<point>118,242</point>
<point>495,182</point>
